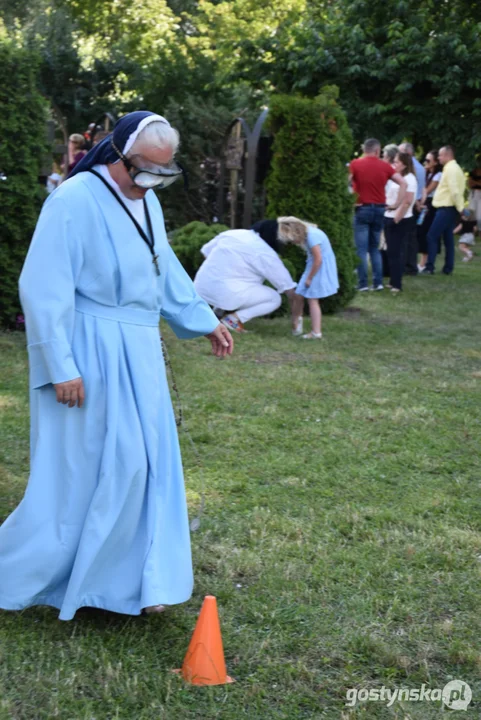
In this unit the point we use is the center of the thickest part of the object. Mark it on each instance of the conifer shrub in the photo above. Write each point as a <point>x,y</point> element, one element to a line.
<point>188,240</point>
<point>308,178</point>
<point>22,147</point>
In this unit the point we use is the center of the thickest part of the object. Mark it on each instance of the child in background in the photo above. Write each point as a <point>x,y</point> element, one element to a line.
<point>319,279</point>
<point>467,229</point>
<point>54,179</point>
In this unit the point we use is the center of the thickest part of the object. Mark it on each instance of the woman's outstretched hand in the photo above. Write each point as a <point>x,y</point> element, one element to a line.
<point>221,341</point>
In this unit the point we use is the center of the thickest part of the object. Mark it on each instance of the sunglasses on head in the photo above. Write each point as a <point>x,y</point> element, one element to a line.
<point>146,178</point>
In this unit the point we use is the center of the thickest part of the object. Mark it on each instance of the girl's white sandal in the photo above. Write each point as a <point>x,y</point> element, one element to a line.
<point>312,336</point>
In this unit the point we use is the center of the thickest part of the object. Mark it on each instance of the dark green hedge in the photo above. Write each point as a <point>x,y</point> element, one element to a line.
<point>22,143</point>
<point>309,179</point>
<point>188,240</point>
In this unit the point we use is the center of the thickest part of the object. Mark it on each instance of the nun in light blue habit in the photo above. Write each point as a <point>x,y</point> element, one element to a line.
<point>103,522</point>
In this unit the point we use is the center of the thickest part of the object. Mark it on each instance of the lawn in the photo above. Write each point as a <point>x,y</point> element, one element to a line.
<point>341,535</point>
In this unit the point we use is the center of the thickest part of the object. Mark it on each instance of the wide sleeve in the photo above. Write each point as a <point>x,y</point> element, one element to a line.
<point>274,270</point>
<point>187,314</point>
<point>47,293</point>
<point>208,247</point>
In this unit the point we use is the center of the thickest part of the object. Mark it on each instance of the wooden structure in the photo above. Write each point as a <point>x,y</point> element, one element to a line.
<point>240,159</point>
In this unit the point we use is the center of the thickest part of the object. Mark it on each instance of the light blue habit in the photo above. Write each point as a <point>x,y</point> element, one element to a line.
<point>103,522</point>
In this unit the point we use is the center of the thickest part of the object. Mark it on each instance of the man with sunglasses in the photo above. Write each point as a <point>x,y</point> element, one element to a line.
<point>103,522</point>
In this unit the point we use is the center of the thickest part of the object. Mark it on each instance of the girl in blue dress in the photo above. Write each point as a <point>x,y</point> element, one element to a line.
<point>319,279</point>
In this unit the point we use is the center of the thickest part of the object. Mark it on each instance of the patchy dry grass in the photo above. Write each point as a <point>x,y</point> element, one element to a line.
<point>342,533</point>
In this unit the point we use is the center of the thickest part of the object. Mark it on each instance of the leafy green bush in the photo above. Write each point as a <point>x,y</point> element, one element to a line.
<point>188,240</point>
<point>308,179</point>
<point>22,142</point>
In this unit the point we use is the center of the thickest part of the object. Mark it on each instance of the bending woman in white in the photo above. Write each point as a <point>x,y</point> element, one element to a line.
<point>237,263</point>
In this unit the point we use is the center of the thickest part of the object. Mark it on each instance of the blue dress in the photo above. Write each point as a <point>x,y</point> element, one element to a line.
<point>325,282</point>
<point>103,522</point>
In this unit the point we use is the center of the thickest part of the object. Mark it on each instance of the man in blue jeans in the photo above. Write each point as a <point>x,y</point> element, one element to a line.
<point>449,201</point>
<point>369,176</point>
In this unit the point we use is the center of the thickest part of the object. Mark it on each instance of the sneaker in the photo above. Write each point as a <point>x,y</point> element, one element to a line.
<point>420,268</point>
<point>232,322</point>
<point>378,287</point>
<point>425,271</point>
<point>395,291</point>
<point>363,289</point>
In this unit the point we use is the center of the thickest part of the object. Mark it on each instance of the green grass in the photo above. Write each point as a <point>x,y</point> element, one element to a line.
<point>342,531</point>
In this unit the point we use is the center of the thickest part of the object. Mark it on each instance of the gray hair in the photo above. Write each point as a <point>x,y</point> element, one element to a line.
<point>157,134</point>
<point>371,145</point>
<point>407,147</point>
<point>391,151</point>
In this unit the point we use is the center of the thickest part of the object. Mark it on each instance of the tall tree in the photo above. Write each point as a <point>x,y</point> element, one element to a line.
<point>404,68</point>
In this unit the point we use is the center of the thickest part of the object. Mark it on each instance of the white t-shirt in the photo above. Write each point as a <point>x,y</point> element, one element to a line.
<point>436,178</point>
<point>235,261</point>
<point>392,191</point>
<point>136,207</point>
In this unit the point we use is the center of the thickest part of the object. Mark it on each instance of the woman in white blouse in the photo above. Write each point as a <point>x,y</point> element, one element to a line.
<point>232,276</point>
<point>398,211</point>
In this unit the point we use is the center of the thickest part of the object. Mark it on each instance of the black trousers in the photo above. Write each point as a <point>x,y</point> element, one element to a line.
<point>396,239</point>
<point>411,255</point>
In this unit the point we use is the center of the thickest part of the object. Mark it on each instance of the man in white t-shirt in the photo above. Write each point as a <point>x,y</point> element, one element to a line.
<point>231,278</point>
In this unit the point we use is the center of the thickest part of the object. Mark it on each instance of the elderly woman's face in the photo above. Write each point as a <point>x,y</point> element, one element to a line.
<point>146,157</point>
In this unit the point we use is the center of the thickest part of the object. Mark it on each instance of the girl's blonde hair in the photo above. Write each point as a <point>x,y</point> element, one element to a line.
<point>293,230</point>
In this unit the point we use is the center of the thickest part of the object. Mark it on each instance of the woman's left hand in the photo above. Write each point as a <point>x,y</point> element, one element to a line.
<point>221,341</point>
<point>307,282</point>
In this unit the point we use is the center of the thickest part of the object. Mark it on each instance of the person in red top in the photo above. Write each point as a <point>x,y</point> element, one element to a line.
<point>369,176</point>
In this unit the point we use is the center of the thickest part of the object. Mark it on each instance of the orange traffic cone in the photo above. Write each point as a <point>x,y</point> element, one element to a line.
<point>204,662</point>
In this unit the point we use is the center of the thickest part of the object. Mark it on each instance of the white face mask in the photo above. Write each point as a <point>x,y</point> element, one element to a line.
<point>160,176</point>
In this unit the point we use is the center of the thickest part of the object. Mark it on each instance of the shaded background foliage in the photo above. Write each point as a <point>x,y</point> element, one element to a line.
<point>405,70</point>
<point>22,140</point>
